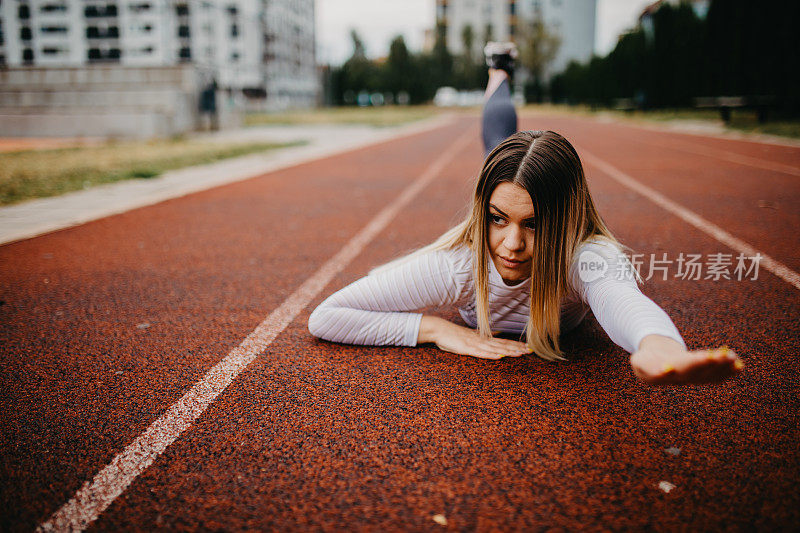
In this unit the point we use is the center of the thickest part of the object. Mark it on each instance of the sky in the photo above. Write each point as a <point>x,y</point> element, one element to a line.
<point>378,21</point>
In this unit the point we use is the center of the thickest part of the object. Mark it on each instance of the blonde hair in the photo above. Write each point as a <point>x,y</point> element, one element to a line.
<point>547,166</point>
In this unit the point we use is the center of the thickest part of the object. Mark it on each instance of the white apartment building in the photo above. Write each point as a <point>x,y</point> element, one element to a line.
<point>504,20</point>
<point>263,49</point>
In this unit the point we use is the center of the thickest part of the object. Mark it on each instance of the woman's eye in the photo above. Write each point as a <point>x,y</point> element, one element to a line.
<point>530,225</point>
<point>496,219</point>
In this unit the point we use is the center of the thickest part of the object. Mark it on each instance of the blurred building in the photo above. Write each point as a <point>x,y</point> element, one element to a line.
<point>261,51</point>
<point>505,20</point>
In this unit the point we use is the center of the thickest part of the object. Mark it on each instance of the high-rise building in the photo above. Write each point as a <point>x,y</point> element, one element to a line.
<point>505,20</point>
<point>261,48</point>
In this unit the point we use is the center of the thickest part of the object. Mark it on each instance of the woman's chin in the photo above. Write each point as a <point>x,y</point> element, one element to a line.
<point>513,276</point>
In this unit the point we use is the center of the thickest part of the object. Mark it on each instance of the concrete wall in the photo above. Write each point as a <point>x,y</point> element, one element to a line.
<point>101,101</point>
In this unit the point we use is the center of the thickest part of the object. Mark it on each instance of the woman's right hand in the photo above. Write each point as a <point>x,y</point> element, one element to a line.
<point>466,341</point>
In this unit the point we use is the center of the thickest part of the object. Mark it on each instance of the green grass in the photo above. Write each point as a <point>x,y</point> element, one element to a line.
<point>742,120</point>
<point>42,173</point>
<point>373,116</point>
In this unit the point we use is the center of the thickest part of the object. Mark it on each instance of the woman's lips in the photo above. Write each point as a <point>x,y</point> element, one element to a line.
<point>510,263</point>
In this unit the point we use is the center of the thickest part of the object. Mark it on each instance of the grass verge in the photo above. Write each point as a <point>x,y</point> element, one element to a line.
<point>742,120</point>
<point>373,116</point>
<point>41,173</point>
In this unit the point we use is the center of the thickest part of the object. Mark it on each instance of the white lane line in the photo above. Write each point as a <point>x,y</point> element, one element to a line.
<point>96,495</point>
<point>731,157</point>
<point>777,268</point>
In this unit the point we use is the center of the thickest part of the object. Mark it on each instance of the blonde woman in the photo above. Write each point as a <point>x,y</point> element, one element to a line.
<point>530,260</point>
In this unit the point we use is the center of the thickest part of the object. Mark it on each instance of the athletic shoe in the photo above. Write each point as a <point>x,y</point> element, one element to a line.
<point>501,56</point>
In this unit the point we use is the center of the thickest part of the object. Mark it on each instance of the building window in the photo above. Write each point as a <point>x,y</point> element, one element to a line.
<point>185,54</point>
<point>24,12</point>
<point>53,51</point>
<point>138,7</point>
<point>54,29</point>
<point>235,57</point>
<point>111,55</point>
<point>182,10</point>
<point>183,31</point>
<point>233,10</point>
<point>234,30</point>
<point>95,32</point>
<point>110,10</point>
<point>27,56</point>
<point>25,33</point>
<point>53,8</point>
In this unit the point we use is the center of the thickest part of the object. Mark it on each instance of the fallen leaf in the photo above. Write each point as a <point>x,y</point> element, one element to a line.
<point>666,486</point>
<point>440,519</point>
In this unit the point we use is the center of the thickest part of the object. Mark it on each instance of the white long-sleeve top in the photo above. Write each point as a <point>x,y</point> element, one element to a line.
<point>377,309</point>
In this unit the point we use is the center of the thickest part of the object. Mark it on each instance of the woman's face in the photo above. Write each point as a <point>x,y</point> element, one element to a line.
<point>511,231</point>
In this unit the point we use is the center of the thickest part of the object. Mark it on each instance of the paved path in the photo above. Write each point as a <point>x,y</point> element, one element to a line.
<point>157,372</point>
<point>35,217</point>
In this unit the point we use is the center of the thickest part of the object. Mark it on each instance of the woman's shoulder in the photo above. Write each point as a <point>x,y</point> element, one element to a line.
<point>599,258</point>
<point>450,261</point>
<point>457,261</point>
<point>600,245</point>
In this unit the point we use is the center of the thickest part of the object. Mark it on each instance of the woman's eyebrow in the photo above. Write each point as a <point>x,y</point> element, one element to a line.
<point>498,210</point>
<point>501,212</point>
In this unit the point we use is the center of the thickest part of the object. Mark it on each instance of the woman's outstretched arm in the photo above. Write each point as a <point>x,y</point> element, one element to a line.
<point>378,309</point>
<point>637,324</point>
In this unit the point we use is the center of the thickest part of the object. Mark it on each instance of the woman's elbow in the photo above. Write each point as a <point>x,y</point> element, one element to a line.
<point>315,323</point>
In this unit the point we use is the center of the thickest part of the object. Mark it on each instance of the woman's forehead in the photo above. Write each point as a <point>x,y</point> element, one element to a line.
<point>513,200</point>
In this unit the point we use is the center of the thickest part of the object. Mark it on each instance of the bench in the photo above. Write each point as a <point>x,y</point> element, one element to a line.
<point>726,104</point>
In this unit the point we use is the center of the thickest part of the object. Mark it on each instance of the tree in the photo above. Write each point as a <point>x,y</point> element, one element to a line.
<point>467,72</point>
<point>358,73</point>
<point>399,69</point>
<point>467,41</point>
<point>441,59</point>
<point>539,48</point>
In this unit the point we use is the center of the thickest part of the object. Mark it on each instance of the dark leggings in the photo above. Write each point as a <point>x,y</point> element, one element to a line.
<point>499,118</point>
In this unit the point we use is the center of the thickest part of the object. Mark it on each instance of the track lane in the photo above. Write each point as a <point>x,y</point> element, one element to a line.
<point>757,206</point>
<point>81,380</point>
<point>323,436</point>
<point>386,437</point>
<point>781,152</point>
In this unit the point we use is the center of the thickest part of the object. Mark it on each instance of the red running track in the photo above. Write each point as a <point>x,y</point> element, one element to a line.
<point>105,325</point>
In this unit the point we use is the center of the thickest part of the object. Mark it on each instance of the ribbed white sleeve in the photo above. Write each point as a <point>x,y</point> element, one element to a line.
<point>626,315</point>
<point>370,310</point>
<point>375,309</point>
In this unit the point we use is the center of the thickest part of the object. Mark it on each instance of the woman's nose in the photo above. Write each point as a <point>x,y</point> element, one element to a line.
<point>514,239</point>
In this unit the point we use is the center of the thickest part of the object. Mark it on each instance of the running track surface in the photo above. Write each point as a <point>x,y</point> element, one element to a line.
<point>104,326</point>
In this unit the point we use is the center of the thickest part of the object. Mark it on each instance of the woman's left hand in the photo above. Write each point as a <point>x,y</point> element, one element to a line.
<point>663,361</point>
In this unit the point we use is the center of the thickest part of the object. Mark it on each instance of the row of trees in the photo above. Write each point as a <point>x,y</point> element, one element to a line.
<point>419,75</point>
<point>416,75</point>
<point>740,48</point>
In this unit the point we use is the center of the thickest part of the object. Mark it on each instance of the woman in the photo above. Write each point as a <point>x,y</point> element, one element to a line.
<point>531,259</point>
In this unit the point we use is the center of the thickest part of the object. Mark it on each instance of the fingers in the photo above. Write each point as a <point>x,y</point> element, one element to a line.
<point>504,347</point>
<point>497,349</point>
<point>702,366</point>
